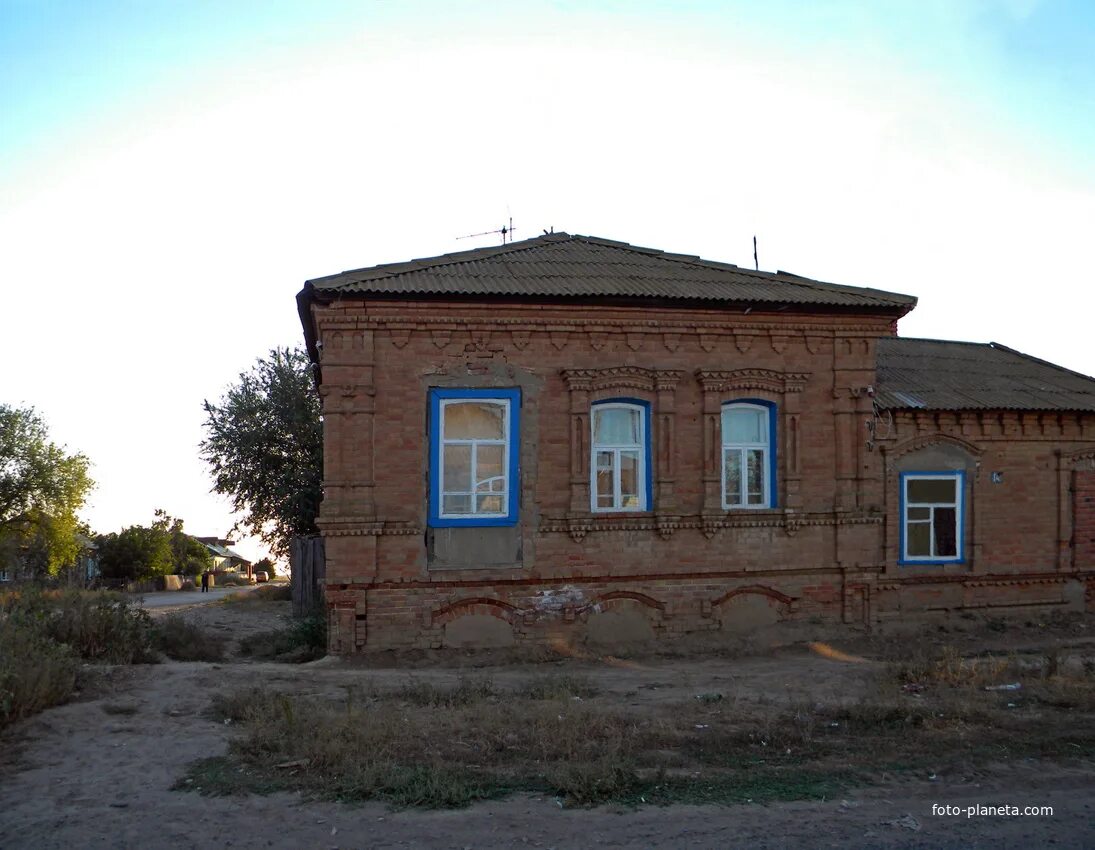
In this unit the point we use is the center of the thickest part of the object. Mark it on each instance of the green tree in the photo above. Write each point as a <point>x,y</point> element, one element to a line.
<point>135,553</point>
<point>188,556</point>
<point>264,447</point>
<point>42,487</point>
<point>143,552</point>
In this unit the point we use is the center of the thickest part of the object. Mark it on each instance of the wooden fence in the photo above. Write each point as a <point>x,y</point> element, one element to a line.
<point>308,568</point>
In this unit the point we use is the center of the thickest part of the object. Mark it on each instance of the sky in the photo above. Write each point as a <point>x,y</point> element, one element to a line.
<point>172,172</point>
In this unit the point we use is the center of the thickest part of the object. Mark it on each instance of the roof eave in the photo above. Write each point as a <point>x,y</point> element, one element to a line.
<point>313,295</point>
<point>305,299</point>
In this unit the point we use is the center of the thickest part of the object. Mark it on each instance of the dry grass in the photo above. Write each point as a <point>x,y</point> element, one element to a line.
<point>35,672</point>
<point>421,744</point>
<point>264,593</point>
<point>304,640</point>
<point>183,640</point>
<point>94,625</point>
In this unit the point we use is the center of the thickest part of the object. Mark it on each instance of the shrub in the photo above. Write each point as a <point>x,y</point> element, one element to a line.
<point>305,640</point>
<point>94,625</point>
<point>182,640</point>
<point>35,671</point>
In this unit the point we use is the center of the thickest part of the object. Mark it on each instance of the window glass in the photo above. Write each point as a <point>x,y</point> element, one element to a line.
<point>604,480</point>
<point>618,465</point>
<point>732,471</point>
<point>474,420</point>
<point>488,468</point>
<point>489,504</point>
<point>629,479</point>
<point>946,532</point>
<point>471,458</point>
<point>451,504</point>
<point>919,539</point>
<point>927,490</point>
<point>747,456</point>
<point>616,426</point>
<point>458,468</point>
<point>756,476</point>
<point>932,516</point>
<point>743,425</point>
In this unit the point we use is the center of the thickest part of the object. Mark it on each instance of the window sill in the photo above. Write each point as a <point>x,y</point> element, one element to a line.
<point>495,522</point>
<point>936,562</point>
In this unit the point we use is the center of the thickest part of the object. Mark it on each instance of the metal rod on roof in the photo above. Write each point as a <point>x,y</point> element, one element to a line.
<point>504,230</point>
<point>756,262</point>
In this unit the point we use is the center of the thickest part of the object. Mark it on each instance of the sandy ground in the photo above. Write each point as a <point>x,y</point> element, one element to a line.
<point>98,772</point>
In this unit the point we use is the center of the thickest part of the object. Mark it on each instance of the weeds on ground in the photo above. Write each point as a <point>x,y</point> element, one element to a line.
<point>422,744</point>
<point>304,640</point>
<point>44,634</point>
<point>558,686</point>
<point>424,694</point>
<point>35,671</point>
<point>266,593</point>
<point>178,638</point>
<point>95,625</point>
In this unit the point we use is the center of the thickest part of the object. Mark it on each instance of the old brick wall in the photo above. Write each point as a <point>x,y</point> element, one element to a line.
<point>821,550</point>
<point>1083,532</point>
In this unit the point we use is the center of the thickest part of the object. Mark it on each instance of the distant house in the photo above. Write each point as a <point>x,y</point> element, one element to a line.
<point>224,559</point>
<point>85,570</point>
<point>575,437</point>
<point>20,561</point>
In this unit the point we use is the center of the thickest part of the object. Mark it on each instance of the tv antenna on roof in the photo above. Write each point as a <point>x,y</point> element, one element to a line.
<point>505,230</point>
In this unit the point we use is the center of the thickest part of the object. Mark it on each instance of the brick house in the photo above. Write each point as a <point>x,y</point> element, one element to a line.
<point>573,438</point>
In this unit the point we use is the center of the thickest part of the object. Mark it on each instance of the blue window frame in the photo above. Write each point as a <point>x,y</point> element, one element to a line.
<point>620,456</point>
<point>932,517</point>
<point>748,454</point>
<point>475,450</point>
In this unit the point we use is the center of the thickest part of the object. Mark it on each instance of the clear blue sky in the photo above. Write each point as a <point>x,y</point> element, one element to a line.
<point>171,172</point>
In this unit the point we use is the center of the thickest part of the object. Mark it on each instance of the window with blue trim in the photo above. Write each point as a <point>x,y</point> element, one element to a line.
<point>620,456</point>
<point>474,451</point>
<point>748,455</point>
<point>931,517</point>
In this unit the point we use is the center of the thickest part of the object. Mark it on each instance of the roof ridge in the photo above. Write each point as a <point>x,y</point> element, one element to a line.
<point>806,282</point>
<point>475,254</point>
<point>453,257</point>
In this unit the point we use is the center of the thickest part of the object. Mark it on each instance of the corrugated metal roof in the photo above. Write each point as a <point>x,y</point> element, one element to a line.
<point>944,375</point>
<point>569,266</point>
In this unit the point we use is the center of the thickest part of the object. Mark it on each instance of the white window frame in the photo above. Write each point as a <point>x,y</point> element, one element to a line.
<point>743,449</point>
<point>505,442</point>
<point>639,448</point>
<point>959,517</point>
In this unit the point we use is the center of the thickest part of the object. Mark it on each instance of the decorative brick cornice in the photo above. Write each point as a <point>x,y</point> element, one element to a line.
<point>751,379</point>
<point>579,526</point>
<point>817,335</point>
<point>916,443</point>
<point>1082,457</point>
<point>621,377</point>
<point>359,527</point>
